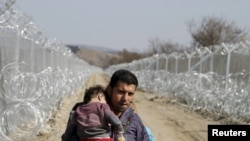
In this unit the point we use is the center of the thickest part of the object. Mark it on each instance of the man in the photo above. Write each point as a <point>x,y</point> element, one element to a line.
<point>121,91</point>
<point>120,94</point>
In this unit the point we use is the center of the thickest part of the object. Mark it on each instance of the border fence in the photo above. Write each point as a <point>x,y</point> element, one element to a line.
<point>36,72</point>
<point>213,78</point>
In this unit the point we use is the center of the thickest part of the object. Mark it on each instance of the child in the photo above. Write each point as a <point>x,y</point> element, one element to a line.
<point>94,116</point>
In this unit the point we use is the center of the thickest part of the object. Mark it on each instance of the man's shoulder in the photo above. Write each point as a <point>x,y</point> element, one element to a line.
<point>131,113</point>
<point>76,105</point>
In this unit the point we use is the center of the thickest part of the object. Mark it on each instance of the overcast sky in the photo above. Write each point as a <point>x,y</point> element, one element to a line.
<point>130,24</point>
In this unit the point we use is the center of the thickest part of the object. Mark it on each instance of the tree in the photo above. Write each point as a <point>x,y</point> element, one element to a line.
<point>128,56</point>
<point>214,31</point>
<point>158,46</point>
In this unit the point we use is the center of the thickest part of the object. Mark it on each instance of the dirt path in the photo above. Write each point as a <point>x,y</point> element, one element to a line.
<point>167,119</point>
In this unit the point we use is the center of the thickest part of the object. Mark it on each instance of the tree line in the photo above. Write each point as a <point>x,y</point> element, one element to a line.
<point>210,31</point>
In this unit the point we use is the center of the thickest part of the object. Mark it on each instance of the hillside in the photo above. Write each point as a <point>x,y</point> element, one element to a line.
<point>95,56</point>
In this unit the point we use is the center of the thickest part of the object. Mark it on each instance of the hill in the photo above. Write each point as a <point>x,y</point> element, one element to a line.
<point>97,56</point>
<point>104,57</point>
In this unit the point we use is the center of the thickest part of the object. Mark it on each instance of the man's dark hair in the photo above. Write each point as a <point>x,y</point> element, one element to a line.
<point>92,92</point>
<point>123,75</point>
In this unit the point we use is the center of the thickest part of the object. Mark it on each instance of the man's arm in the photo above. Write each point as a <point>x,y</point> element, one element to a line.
<point>70,133</point>
<point>111,118</point>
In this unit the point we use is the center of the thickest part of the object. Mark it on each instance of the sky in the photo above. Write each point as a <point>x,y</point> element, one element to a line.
<point>128,24</point>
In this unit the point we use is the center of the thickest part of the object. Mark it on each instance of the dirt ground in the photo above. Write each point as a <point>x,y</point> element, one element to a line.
<point>167,119</point>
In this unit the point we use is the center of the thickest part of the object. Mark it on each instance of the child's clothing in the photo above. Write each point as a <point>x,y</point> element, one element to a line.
<point>93,122</point>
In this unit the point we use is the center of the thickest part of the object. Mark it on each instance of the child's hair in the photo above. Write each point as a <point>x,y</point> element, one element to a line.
<point>92,92</point>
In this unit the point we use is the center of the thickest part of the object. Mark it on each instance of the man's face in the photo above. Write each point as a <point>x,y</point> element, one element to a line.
<point>121,96</point>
